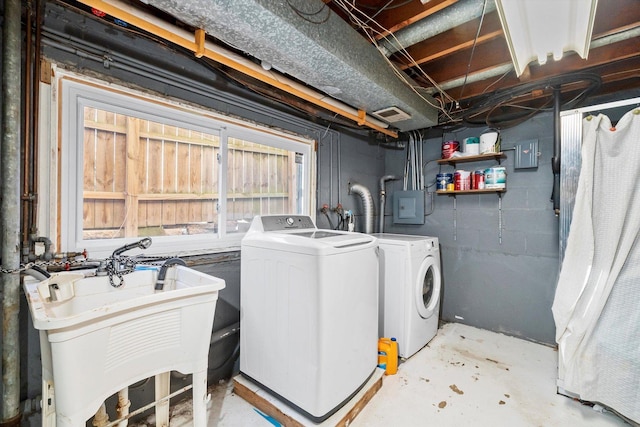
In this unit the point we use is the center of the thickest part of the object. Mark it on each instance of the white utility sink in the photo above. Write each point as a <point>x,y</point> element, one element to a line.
<point>97,339</point>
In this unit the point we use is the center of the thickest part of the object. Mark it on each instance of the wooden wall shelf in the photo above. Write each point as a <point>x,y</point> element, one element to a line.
<point>468,159</point>
<point>483,191</point>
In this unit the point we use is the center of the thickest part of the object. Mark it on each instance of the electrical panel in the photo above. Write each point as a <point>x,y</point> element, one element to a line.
<point>526,155</point>
<point>408,207</point>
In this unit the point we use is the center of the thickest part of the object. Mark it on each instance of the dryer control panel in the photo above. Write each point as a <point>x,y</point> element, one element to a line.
<point>286,222</point>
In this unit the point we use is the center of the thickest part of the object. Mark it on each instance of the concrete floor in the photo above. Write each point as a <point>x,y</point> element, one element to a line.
<point>465,376</point>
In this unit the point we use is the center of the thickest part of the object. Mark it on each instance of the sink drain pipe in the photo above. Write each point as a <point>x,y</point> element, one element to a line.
<point>367,204</point>
<point>10,215</point>
<point>383,195</point>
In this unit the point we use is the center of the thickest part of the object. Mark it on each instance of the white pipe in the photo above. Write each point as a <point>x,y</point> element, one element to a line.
<point>367,204</point>
<point>101,418</point>
<point>122,407</point>
<point>382,198</point>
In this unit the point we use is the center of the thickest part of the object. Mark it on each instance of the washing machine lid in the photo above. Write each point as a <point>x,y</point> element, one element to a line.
<point>298,234</point>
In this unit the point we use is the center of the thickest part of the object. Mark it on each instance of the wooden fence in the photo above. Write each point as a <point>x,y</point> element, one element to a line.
<point>143,178</point>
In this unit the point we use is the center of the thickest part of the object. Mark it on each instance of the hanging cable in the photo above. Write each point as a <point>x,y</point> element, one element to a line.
<point>382,32</point>
<point>473,48</point>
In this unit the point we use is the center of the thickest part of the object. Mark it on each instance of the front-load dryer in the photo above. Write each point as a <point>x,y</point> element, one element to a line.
<point>410,289</point>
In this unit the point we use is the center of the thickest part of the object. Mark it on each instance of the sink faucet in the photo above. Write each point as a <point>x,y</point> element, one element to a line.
<point>163,271</point>
<point>141,244</point>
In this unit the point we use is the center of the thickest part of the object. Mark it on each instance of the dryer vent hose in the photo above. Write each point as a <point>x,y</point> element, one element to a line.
<point>367,204</point>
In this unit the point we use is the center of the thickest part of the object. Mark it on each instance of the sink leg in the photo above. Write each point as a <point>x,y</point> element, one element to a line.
<point>48,404</point>
<point>101,418</point>
<point>163,389</point>
<point>200,399</point>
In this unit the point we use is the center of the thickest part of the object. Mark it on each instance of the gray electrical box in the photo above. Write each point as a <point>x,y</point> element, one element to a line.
<point>526,155</point>
<point>408,207</point>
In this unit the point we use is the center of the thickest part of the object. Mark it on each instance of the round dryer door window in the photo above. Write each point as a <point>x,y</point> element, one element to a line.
<point>428,288</point>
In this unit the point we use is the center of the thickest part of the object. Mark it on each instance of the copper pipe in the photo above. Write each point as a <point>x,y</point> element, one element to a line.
<point>26,131</point>
<point>36,117</point>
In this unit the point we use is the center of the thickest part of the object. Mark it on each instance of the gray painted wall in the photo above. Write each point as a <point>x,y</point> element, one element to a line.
<point>506,287</point>
<point>344,160</point>
<point>343,156</point>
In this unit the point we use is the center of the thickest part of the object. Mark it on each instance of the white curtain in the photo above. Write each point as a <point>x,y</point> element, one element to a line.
<point>597,302</point>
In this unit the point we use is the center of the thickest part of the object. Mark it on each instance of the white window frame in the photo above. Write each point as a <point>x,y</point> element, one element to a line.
<point>71,92</point>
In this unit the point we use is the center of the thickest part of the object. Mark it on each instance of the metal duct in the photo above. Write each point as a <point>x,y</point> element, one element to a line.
<point>367,205</point>
<point>505,68</point>
<point>444,20</point>
<point>305,39</point>
<point>383,196</point>
<point>10,215</point>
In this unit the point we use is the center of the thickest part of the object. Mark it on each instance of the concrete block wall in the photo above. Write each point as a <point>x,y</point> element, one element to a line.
<point>503,286</point>
<point>345,159</point>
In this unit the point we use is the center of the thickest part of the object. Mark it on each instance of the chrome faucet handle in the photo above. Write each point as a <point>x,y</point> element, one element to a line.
<point>141,244</point>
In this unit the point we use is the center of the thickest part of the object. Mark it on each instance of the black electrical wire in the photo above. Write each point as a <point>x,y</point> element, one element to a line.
<point>473,48</point>
<point>329,219</point>
<point>483,109</point>
<point>305,15</point>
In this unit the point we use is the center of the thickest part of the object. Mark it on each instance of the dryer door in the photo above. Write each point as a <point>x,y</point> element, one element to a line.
<point>427,287</point>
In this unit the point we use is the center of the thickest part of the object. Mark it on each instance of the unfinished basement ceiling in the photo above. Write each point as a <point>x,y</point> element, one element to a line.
<point>454,50</point>
<point>319,49</point>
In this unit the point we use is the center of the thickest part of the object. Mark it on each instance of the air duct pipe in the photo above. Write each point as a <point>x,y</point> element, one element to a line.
<point>202,48</point>
<point>450,17</point>
<point>367,204</point>
<point>383,197</point>
<point>10,205</point>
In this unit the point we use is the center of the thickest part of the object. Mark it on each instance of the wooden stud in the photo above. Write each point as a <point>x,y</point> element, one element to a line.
<point>200,36</point>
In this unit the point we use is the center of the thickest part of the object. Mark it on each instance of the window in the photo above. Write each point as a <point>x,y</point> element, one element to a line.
<point>135,166</point>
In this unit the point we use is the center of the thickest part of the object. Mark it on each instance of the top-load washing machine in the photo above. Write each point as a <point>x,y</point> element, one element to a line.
<point>308,312</point>
<point>410,289</point>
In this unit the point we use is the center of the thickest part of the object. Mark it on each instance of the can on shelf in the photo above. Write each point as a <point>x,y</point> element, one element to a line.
<point>477,180</point>
<point>462,180</point>
<point>442,180</point>
<point>449,147</point>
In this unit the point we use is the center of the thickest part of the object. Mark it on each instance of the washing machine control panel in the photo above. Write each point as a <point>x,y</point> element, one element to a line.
<point>286,222</point>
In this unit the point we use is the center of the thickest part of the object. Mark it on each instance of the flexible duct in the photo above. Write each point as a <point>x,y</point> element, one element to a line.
<point>148,22</point>
<point>383,197</point>
<point>450,17</point>
<point>367,205</point>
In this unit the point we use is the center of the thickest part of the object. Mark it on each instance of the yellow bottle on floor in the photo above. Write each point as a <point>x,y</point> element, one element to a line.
<point>388,355</point>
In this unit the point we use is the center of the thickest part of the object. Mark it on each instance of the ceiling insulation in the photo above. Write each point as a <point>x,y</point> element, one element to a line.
<point>308,41</point>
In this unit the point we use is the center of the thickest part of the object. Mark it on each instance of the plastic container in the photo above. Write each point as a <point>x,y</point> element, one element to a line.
<point>388,355</point>
<point>471,146</point>
<point>495,177</point>
<point>489,142</point>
